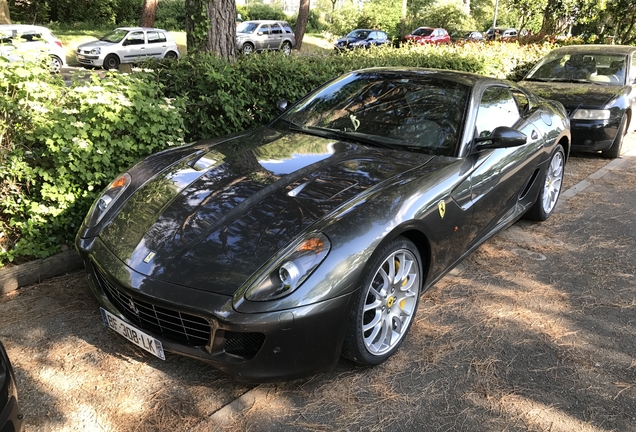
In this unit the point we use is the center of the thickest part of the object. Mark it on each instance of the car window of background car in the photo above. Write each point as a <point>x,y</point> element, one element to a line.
<point>156,37</point>
<point>135,38</point>
<point>30,37</point>
<point>246,27</point>
<point>276,29</point>
<point>422,32</point>
<point>288,28</point>
<point>115,36</point>
<point>496,108</point>
<point>264,29</point>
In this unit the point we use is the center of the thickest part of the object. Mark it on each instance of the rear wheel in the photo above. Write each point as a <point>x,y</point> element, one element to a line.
<point>615,150</point>
<point>286,48</point>
<point>386,304</point>
<point>170,55</point>
<point>111,62</point>
<point>550,188</point>
<point>55,64</point>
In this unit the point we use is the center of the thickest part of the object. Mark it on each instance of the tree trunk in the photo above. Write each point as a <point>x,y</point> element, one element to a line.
<point>211,27</point>
<point>222,29</point>
<point>5,18</point>
<point>301,23</point>
<point>149,13</point>
<point>403,19</point>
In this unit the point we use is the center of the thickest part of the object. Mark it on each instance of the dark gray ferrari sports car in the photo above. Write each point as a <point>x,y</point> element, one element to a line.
<point>272,252</point>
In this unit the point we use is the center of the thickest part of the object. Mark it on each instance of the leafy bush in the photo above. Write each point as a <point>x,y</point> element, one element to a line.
<point>171,15</point>
<point>62,145</point>
<point>264,12</point>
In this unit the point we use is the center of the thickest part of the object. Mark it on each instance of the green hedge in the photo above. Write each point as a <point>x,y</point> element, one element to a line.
<point>59,145</point>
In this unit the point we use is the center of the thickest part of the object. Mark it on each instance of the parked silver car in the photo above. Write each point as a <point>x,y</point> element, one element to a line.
<point>264,35</point>
<point>27,42</point>
<point>127,45</point>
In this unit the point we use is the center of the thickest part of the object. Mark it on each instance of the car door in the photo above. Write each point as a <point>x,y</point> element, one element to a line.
<point>157,44</point>
<point>133,47</point>
<point>261,39</point>
<point>500,175</point>
<point>276,36</point>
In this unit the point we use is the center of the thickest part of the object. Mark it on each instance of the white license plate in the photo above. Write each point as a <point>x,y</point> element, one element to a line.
<point>79,56</point>
<point>134,335</point>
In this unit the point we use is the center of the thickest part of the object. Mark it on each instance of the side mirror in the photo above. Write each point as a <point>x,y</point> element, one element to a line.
<point>126,42</point>
<point>501,137</point>
<point>281,106</point>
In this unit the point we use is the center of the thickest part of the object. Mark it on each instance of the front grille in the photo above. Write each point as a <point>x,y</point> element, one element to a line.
<point>245,345</point>
<point>180,327</point>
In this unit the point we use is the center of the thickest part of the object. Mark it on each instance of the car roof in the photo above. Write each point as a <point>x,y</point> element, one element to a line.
<point>467,78</point>
<point>23,27</point>
<point>139,29</point>
<point>265,21</point>
<point>598,49</point>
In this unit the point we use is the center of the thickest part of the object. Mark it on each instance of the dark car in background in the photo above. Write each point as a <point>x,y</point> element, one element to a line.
<point>264,35</point>
<point>362,38</point>
<point>467,36</point>
<point>503,34</point>
<point>269,253</point>
<point>428,35</point>
<point>10,416</point>
<point>597,86</point>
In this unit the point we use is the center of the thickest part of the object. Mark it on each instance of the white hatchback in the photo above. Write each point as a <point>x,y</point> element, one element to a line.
<point>30,42</point>
<point>127,45</point>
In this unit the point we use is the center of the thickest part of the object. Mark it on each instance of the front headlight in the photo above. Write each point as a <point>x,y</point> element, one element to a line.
<point>112,192</point>
<point>285,275</point>
<point>96,51</point>
<point>591,114</point>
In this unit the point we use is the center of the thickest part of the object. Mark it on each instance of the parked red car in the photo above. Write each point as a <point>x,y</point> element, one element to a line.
<point>424,35</point>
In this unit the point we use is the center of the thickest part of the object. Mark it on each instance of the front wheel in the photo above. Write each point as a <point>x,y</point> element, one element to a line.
<point>615,150</point>
<point>111,62</point>
<point>550,188</point>
<point>55,64</point>
<point>247,49</point>
<point>386,304</point>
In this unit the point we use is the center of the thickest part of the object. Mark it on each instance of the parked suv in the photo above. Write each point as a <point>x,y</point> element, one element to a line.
<point>362,38</point>
<point>264,35</point>
<point>501,33</point>
<point>127,45</point>
<point>25,42</point>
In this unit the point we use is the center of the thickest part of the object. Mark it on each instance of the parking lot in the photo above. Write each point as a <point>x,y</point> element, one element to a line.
<point>535,331</point>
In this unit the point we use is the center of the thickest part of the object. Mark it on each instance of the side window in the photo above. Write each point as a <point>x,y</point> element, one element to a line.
<point>276,29</point>
<point>632,70</point>
<point>521,99</point>
<point>264,29</point>
<point>136,38</point>
<point>497,108</point>
<point>30,37</point>
<point>155,37</point>
<point>382,36</point>
<point>288,28</point>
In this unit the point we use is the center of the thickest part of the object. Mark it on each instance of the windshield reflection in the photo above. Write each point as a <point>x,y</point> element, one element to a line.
<point>416,111</point>
<point>598,68</point>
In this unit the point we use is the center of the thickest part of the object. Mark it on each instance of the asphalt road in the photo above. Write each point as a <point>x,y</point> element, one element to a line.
<point>535,331</point>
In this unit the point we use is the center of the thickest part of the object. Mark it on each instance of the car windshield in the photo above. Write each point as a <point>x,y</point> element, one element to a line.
<point>115,36</point>
<point>246,27</point>
<point>358,34</point>
<point>413,112</point>
<point>422,31</point>
<point>593,67</point>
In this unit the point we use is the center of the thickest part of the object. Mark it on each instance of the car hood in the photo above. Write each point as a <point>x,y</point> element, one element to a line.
<point>214,218</point>
<point>348,40</point>
<point>95,44</point>
<point>573,95</point>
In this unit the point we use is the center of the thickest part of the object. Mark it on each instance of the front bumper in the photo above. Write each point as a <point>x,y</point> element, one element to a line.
<point>259,347</point>
<point>91,60</point>
<point>10,415</point>
<point>593,135</point>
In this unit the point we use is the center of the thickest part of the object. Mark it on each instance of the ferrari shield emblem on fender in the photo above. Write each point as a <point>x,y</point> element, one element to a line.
<point>150,256</point>
<point>442,209</point>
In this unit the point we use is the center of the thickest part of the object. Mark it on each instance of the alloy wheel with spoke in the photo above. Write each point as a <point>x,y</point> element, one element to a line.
<point>553,181</point>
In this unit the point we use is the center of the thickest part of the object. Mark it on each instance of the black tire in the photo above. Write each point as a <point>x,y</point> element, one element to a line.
<point>615,150</point>
<point>55,64</point>
<point>286,48</point>
<point>171,55</point>
<point>111,62</point>
<point>386,305</point>
<point>551,184</point>
<point>247,49</point>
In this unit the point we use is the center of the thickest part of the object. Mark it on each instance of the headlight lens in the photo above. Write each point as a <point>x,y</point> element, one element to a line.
<point>591,114</point>
<point>287,274</point>
<point>112,192</point>
<point>96,51</point>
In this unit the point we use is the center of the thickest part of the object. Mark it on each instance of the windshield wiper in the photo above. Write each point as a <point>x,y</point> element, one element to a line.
<point>354,136</point>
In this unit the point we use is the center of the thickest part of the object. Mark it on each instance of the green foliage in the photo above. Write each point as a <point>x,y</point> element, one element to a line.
<point>450,16</point>
<point>264,12</point>
<point>171,15</point>
<point>61,145</point>
<point>344,20</point>
<point>99,12</point>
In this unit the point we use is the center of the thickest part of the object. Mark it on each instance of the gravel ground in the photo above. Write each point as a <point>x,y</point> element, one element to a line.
<point>536,332</point>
